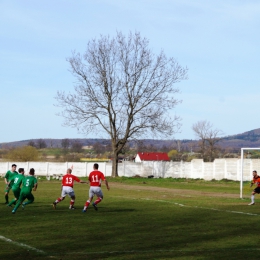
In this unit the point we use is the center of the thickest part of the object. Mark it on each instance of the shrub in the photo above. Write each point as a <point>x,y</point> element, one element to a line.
<point>23,154</point>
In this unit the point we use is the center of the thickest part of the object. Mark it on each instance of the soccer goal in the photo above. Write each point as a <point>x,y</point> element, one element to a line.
<point>242,170</point>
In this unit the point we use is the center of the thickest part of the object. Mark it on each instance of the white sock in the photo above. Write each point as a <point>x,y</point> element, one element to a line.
<point>253,198</point>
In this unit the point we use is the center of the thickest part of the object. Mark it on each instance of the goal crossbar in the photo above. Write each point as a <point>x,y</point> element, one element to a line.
<point>242,168</point>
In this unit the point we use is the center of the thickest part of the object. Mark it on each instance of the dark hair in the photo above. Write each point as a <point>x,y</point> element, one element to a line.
<point>32,171</point>
<point>21,170</point>
<point>14,165</point>
<point>95,166</point>
<point>255,171</point>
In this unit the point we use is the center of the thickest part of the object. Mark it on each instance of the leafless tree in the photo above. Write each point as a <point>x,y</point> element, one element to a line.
<point>201,131</point>
<point>76,147</point>
<point>32,143</point>
<point>40,144</point>
<point>98,148</point>
<point>123,89</point>
<point>65,143</point>
<point>208,138</point>
<point>213,139</point>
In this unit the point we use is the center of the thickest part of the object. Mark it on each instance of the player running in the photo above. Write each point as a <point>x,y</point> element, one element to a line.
<point>9,174</point>
<point>95,178</point>
<point>67,188</point>
<point>256,181</point>
<point>29,184</point>
<point>15,183</point>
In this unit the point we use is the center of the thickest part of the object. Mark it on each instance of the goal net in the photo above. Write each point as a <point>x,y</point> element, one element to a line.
<point>250,161</point>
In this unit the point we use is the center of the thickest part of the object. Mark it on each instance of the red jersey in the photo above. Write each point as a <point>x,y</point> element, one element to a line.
<point>95,178</point>
<point>69,179</point>
<point>256,180</point>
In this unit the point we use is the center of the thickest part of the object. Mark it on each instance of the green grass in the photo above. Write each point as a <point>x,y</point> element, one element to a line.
<point>138,219</point>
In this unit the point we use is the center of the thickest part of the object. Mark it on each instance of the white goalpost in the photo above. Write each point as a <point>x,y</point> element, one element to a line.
<point>242,168</point>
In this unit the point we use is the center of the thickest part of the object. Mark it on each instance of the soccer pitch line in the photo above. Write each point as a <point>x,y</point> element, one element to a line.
<point>21,245</point>
<point>187,206</point>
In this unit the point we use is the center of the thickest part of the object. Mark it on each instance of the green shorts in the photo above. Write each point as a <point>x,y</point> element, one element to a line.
<point>26,195</point>
<point>16,192</point>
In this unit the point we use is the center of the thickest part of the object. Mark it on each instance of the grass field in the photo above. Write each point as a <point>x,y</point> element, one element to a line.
<point>138,219</point>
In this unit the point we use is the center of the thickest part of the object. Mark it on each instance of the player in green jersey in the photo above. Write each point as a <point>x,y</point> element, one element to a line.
<point>29,184</point>
<point>16,182</point>
<point>8,177</point>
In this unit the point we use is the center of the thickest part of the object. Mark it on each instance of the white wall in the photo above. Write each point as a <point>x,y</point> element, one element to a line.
<point>219,169</point>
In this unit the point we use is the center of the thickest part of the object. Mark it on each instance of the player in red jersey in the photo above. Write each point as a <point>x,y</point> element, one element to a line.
<point>67,188</point>
<point>256,180</point>
<point>95,178</point>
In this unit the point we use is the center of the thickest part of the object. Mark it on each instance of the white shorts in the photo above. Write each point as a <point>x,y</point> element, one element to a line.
<point>66,190</point>
<point>95,190</point>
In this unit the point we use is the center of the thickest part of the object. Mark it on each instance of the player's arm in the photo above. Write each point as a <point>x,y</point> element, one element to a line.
<point>35,186</point>
<point>7,182</point>
<point>75,178</point>
<point>108,188</point>
<point>81,181</point>
<point>10,182</point>
<point>6,179</point>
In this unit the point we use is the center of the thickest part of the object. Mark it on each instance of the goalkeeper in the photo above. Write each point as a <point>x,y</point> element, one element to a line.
<point>256,181</point>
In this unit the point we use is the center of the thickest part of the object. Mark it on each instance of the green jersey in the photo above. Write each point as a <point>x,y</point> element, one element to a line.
<point>28,183</point>
<point>9,176</point>
<point>16,181</point>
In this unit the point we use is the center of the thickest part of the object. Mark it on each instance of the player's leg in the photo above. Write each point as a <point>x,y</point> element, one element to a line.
<point>7,189</point>
<point>252,199</point>
<point>6,198</point>
<point>58,200</point>
<point>16,196</point>
<point>256,190</point>
<point>72,201</point>
<point>61,198</point>
<point>22,197</point>
<point>91,195</point>
<point>87,204</point>
<point>99,198</point>
<point>30,199</point>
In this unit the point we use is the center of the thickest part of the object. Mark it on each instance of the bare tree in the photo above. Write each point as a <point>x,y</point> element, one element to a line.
<point>76,147</point>
<point>65,143</point>
<point>213,139</point>
<point>31,143</point>
<point>41,144</point>
<point>208,138</point>
<point>123,89</point>
<point>201,131</point>
<point>98,148</point>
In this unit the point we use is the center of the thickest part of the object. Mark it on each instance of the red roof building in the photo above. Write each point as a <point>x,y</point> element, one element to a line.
<point>152,157</point>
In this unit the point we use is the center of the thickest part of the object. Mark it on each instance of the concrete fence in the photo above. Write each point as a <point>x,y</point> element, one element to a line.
<point>196,169</point>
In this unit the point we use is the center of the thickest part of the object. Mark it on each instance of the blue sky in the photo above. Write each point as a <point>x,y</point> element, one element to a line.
<point>217,40</point>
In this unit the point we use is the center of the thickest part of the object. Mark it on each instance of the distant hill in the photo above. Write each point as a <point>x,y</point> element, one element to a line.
<point>246,139</point>
<point>56,143</point>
